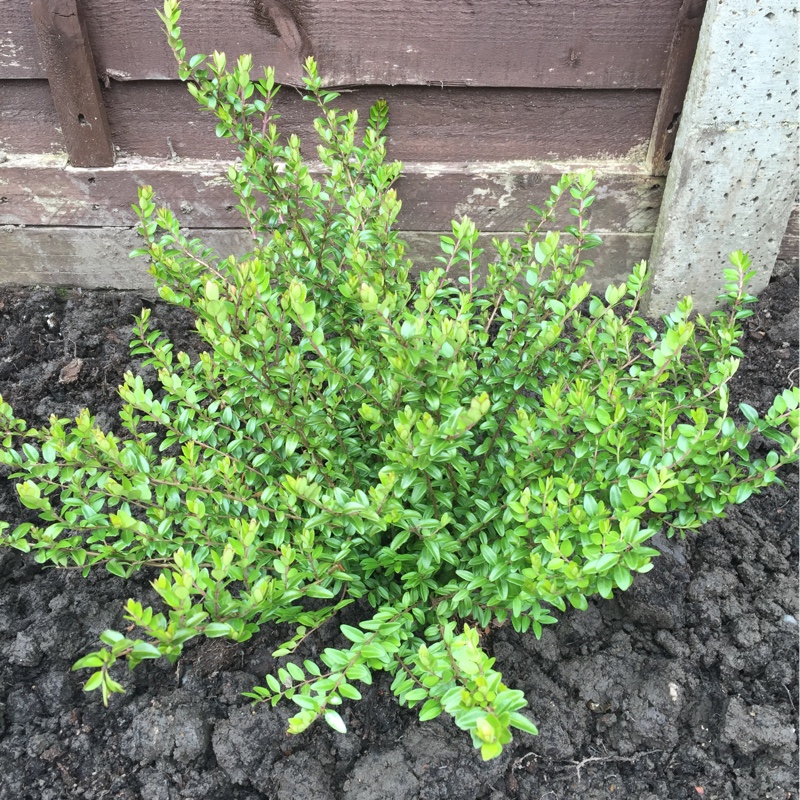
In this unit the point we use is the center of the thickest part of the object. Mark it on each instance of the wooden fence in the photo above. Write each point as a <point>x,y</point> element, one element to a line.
<point>488,101</point>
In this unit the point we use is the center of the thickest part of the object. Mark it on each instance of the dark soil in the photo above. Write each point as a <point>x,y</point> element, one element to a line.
<point>684,687</point>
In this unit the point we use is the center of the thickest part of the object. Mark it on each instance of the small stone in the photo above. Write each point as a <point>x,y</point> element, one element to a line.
<point>69,373</point>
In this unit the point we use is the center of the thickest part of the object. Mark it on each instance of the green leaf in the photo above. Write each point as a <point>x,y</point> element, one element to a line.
<point>750,414</point>
<point>335,721</point>
<point>115,568</point>
<point>305,701</point>
<point>110,637</point>
<point>29,494</point>
<point>489,555</point>
<point>95,680</point>
<point>295,671</point>
<point>92,660</point>
<point>214,630</point>
<point>320,592</point>
<point>637,488</point>
<point>623,577</point>
<point>728,427</point>
<point>212,291</point>
<point>578,601</point>
<point>359,672</point>
<point>522,723</point>
<point>491,750</point>
<point>601,564</point>
<point>349,691</point>
<point>145,650</point>
<point>415,695</point>
<point>605,587</point>
<point>353,634</point>
<point>743,492</point>
<point>430,710</point>
<point>311,668</point>
<point>291,442</point>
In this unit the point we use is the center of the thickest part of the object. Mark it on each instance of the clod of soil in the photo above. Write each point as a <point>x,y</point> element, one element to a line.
<point>683,687</point>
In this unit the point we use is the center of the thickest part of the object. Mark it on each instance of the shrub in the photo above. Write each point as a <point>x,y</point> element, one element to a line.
<point>454,445</point>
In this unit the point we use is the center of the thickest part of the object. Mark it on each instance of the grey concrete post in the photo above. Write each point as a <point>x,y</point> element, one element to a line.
<point>733,174</point>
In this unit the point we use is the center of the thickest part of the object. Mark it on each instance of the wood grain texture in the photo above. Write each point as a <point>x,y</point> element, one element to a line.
<point>67,58</point>
<point>28,119</point>
<point>676,79</point>
<point>159,119</point>
<point>496,196</point>
<point>791,239</point>
<point>529,43</point>
<point>98,257</point>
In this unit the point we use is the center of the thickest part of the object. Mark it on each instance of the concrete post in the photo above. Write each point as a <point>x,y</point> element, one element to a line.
<point>732,180</point>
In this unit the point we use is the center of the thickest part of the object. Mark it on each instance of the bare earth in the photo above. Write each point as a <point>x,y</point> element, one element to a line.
<point>684,687</point>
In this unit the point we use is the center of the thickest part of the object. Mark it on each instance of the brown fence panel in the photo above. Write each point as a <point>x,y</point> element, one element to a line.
<point>488,103</point>
<point>69,65</point>
<point>676,79</point>
<point>497,196</point>
<point>159,119</point>
<point>528,43</point>
<point>790,244</point>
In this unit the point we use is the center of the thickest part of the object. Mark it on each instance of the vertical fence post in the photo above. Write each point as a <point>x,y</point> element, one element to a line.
<point>732,179</point>
<point>676,79</point>
<point>67,58</point>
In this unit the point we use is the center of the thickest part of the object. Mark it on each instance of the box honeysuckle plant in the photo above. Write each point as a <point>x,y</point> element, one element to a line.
<point>481,442</point>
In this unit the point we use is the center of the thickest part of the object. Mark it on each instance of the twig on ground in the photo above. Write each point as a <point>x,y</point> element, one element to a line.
<point>520,762</point>
<point>579,765</point>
